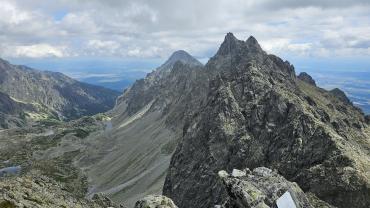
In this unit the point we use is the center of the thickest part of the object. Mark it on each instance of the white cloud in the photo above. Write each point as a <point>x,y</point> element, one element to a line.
<point>140,28</point>
<point>38,51</point>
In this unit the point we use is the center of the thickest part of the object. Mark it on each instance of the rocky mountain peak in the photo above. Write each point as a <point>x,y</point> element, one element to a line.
<point>234,51</point>
<point>181,56</point>
<point>234,46</point>
<point>230,45</point>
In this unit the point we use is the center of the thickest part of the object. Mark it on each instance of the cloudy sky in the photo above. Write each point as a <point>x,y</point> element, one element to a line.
<point>307,31</point>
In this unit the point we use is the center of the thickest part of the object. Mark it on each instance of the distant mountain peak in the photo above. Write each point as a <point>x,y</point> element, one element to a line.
<point>177,56</point>
<point>182,56</point>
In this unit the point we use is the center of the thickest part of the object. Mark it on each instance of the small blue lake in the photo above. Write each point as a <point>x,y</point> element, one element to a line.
<point>13,170</point>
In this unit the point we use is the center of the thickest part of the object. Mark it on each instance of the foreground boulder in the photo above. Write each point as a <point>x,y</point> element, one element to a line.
<point>155,201</point>
<point>262,187</point>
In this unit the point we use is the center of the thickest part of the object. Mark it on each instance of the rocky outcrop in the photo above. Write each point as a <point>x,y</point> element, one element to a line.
<point>257,113</point>
<point>64,97</point>
<point>34,190</point>
<point>104,201</point>
<point>155,201</point>
<point>261,187</point>
<point>306,78</point>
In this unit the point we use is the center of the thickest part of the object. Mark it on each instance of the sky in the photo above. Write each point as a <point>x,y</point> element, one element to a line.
<point>140,34</point>
<point>155,28</point>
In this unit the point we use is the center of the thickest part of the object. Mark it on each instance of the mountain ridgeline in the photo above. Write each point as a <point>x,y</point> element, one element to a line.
<point>178,127</point>
<point>52,94</point>
<point>258,113</point>
<point>241,131</point>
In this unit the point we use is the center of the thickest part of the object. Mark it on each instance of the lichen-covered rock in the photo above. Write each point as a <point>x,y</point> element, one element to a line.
<point>155,201</point>
<point>260,188</point>
<point>104,201</point>
<point>35,190</point>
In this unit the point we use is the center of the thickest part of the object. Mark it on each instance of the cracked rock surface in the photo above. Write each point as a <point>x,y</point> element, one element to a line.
<point>261,187</point>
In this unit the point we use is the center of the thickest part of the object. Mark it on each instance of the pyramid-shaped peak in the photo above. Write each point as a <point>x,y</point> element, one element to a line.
<point>183,57</point>
<point>180,54</point>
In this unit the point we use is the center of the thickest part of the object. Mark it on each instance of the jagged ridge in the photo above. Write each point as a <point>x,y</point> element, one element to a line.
<point>257,113</point>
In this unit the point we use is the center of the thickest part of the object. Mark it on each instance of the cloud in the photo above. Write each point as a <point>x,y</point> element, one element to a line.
<point>141,28</point>
<point>35,51</point>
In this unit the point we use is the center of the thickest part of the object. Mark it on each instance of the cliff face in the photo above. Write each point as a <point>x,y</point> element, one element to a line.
<point>257,113</point>
<point>66,98</point>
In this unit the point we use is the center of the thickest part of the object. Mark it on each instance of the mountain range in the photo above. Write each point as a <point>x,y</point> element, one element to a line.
<point>241,131</point>
<point>50,95</point>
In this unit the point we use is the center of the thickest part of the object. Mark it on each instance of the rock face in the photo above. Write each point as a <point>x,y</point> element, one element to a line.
<point>261,187</point>
<point>306,78</point>
<point>131,160</point>
<point>257,113</point>
<point>155,201</point>
<point>64,97</point>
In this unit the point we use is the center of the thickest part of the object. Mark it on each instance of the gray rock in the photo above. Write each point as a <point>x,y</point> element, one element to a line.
<point>261,188</point>
<point>104,201</point>
<point>35,190</point>
<point>155,201</point>
<point>306,78</point>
